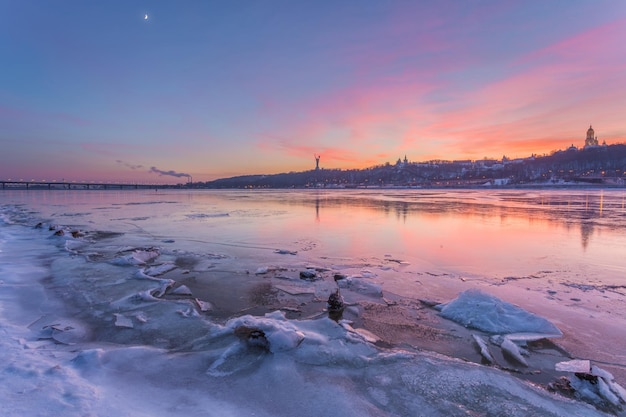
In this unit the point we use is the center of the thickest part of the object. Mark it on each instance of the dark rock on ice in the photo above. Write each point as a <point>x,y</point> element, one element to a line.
<point>39,225</point>
<point>286,252</point>
<point>59,232</point>
<point>339,277</point>
<point>335,305</point>
<point>253,337</point>
<point>309,275</point>
<point>335,301</point>
<point>586,377</point>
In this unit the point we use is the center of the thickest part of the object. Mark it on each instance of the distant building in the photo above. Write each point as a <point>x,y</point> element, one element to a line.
<point>591,139</point>
<point>402,163</point>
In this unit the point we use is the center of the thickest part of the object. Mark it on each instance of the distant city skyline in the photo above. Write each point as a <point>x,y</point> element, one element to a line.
<point>163,91</point>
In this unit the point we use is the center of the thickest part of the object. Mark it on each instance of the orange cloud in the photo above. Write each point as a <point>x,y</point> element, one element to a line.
<point>546,103</point>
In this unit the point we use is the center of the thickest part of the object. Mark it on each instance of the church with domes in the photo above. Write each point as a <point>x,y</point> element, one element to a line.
<point>591,140</point>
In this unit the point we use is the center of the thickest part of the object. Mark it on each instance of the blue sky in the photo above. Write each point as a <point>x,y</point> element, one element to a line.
<point>93,91</point>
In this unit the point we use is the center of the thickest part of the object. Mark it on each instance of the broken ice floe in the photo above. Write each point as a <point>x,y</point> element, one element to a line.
<point>513,350</point>
<point>181,290</point>
<point>511,326</point>
<point>593,384</point>
<point>123,321</point>
<point>485,312</point>
<point>161,269</point>
<point>484,349</point>
<point>61,330</point>
<point>188,312</point>
<point>360,285</point>
<point>204,306</point>
<point>314,342</point>
<point>576,365</point>
<point>280,333</point>
<point>137,257</point>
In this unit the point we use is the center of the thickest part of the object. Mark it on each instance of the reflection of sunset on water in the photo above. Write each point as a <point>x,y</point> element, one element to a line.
<point>482,232</point>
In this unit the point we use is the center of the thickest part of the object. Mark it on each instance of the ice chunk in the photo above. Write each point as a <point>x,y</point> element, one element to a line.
<point>182,290</point>
<point>157,270</point>
<point>367,335</point>
<point>610,381</point>
<point>189,312</point>
<point>513,350</point>
<point>484,349</point>
<point>531,337</point>
<point>618,390</point>
<point>606,392</point>
<point>123,321</point>
<point>485,312</point>
<point>594,370</point>
<point>204,306</point>
<point>145,255</point>
<point>360,285</point>
<point>281,334</point>
<point>577,365</point>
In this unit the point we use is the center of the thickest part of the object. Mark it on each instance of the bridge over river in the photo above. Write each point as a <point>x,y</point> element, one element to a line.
<point>84,185</point>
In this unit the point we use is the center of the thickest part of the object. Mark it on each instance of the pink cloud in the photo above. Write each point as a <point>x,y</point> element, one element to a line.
<point>566,86</point>
<point>546,102</point>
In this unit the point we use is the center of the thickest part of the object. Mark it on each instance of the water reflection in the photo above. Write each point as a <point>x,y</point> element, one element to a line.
<point>584,210</point>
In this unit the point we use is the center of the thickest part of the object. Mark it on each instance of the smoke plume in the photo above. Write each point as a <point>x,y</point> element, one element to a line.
<point>170,172</point>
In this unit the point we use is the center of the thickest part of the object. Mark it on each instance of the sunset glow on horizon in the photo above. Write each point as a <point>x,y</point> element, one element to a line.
<point>99,91</point>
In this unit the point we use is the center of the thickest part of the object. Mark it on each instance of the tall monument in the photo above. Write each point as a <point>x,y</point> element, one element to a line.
<point>317,161</point>
<point>591,139</point>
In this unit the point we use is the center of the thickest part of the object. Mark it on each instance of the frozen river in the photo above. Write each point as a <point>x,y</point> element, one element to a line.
<point>110,299</point>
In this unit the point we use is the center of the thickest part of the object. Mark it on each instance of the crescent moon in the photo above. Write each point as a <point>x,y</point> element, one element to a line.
<point>145,16</point>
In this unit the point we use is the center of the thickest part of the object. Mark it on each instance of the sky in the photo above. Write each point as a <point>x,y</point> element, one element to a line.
<point>165,91</point>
